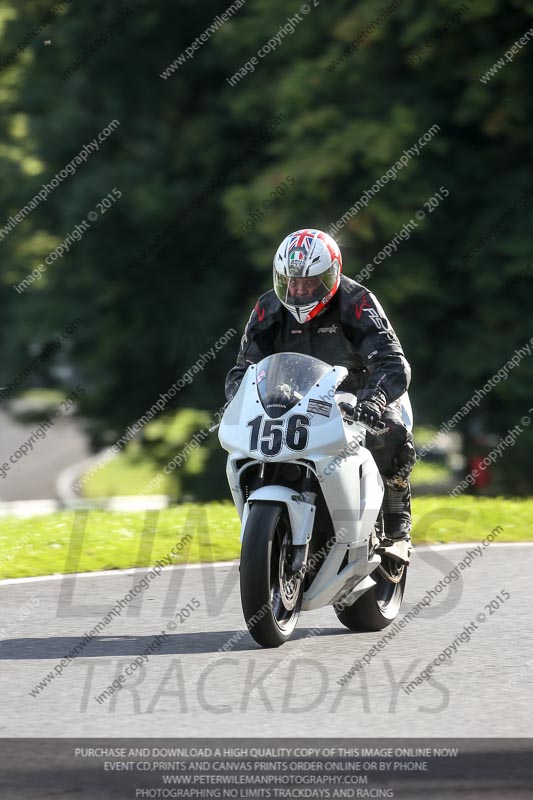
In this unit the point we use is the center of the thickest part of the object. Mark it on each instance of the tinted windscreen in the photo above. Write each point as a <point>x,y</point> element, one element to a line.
<point>283,379</point>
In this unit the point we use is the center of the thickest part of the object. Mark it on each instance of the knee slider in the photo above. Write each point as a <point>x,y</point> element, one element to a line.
<point>405,456</point>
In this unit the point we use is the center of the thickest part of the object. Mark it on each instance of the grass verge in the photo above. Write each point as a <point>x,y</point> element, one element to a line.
<point>99,540</point>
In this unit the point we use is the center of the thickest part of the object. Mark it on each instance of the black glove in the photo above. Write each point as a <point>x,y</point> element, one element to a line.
<point>367,411</point>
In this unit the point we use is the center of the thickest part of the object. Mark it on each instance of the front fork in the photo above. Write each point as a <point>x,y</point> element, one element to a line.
<point>300,552</point>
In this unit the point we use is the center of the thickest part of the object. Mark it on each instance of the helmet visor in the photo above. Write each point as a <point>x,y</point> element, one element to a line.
<point>298,291</point>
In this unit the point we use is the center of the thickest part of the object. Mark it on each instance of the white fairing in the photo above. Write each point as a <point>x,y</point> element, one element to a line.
<point>350,481</point>
<point>301,514</point>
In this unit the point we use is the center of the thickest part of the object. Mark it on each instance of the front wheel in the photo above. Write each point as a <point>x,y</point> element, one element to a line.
<point>271,596</point>
<point>379,606</point>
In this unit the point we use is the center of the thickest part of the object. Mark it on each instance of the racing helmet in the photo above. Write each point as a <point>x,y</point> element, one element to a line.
<point>307,268</point>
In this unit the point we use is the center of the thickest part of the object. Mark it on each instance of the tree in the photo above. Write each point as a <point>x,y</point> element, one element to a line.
<point>214,171</point>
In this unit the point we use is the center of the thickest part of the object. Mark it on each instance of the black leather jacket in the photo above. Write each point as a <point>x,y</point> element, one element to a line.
<point>352,331</point>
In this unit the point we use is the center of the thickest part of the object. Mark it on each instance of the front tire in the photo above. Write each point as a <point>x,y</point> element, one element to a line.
<point>270,596</point>
<point>380,605</point>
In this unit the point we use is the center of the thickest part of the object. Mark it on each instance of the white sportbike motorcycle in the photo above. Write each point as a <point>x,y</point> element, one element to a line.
<point>309,495</point>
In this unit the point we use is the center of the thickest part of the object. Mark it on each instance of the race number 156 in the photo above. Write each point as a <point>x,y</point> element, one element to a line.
<point>268,435</point>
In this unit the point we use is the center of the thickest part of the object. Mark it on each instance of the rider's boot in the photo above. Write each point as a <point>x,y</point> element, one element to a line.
<point>397,510</point>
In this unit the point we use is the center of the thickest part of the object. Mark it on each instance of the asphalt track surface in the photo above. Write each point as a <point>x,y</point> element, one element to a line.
<point>190,688</point>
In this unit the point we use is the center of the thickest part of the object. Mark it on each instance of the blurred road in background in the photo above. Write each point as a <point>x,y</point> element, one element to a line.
<point>33,477</point>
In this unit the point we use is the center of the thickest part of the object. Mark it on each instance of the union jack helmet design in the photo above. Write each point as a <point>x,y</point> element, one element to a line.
<point>307,270</point>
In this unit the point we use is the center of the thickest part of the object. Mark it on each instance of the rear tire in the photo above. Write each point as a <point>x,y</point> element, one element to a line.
<point>270,600</point>
<point>380,605</point>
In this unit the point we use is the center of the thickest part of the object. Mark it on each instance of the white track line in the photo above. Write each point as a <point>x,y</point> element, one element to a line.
<point>111,572</point>
<point>108,573</point>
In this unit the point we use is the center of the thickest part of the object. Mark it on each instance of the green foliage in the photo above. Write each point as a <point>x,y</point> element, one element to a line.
<point>429,473</point>
<point>423,435</point>
<point>196,465</point>
<point>195,150</point>
<point>166,459</point>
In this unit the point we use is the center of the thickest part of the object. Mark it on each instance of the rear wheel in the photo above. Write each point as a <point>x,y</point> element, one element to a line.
<point>379,606</point>
<point>271,596</point>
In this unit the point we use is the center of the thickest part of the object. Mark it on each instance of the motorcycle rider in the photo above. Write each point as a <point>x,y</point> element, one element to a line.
<point>315,310</point>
